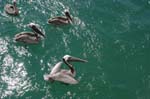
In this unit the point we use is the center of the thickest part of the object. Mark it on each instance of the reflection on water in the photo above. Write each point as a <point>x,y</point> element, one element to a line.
<point>13,74</point>
<point>3,46</point>
<point>80,38</point>
<point>13,77</point>
<point>21,51</point>
<point>112,35</point>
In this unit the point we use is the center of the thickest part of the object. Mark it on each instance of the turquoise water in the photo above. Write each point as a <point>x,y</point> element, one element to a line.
<point>113,35</point>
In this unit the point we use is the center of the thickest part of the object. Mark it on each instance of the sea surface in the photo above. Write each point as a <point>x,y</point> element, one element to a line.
<point>113,35</point>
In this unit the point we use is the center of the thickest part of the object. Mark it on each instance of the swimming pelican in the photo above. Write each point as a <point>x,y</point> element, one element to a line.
<point>61,20</point>
<point>29,37</point>
<point>63,75</point>
<point>12,9</point>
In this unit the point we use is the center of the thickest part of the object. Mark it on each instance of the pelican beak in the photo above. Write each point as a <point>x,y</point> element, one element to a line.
<point>68,15</point>
<point>41,33</point>
<point>36,29</point>
<point>73,59</point>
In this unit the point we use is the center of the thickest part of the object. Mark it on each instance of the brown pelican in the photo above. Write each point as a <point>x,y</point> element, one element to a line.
<point>63,75</point>
<point>61,20</point>
<point>29,37</point>
<point>11,9</point>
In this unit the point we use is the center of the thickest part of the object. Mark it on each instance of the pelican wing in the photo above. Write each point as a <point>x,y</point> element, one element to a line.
<point>57,21</point>
<point>65,78</point>
<point>25,33</point>
<point>56,68</point>
<point>27,37</point>
<point>60,18</point>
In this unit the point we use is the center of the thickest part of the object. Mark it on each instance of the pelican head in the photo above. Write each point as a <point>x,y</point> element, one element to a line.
<point>35,29</point>
<point>67,59</point>
<point>67,14</point>
<point>31,25</point>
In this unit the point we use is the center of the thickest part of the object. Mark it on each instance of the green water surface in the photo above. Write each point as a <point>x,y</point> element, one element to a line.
<point>113,35</point>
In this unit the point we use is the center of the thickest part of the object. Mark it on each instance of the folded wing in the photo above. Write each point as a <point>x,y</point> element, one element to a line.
<point>65,78</point>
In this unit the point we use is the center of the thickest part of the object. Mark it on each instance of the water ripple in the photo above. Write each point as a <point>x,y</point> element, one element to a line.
<point>21,51</point>
<point>13,77</point>
<point>3,46</point>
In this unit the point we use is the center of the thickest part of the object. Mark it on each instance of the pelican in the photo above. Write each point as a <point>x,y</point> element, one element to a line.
<point>29,37</point>
<point>12,9</point>
<point>61,20</point>
<point>63,75</point>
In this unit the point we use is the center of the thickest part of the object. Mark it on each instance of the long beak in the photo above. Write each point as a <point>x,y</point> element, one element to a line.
<point>69,65</point>
<point>39,32</point>
<point>36,30</point>
<point>70,17</point>
<point>75,59</point>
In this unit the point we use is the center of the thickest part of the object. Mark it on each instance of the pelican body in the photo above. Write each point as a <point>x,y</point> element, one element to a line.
<point>29,37</point>
<point>61,20</point>
<point>11,8</point>
<point>63,75</point>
